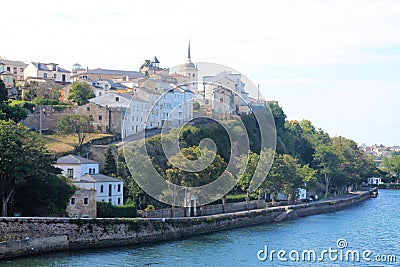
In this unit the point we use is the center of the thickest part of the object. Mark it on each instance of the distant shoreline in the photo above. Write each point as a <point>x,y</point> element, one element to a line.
<point>21,237</point>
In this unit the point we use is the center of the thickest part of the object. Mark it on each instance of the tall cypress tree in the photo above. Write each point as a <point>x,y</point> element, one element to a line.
<point>110,166</point>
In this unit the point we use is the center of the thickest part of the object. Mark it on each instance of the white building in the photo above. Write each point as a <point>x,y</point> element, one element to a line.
<point>47,71</point>
<point>85,174</point>
<point>75,167</point>
<point>223,87</point>
<point>375,180</point>
<point>108,189</point>
<point>133,111</point>
<point>154,103</point>
<point>16,68</point>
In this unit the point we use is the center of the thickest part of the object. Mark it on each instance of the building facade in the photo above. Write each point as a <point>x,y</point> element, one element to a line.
<point>85,175</point>
<point>82,204</point>
<point>47,71</point>
<point>16,68</point>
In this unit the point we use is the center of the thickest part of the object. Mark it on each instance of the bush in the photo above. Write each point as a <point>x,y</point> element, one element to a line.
<point>44,101</point>
<point>106,210</point>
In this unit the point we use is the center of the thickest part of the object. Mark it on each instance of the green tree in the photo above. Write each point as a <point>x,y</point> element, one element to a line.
<point>7,112</point>
<point>328,162</point>
<point>80,93</point>
<point>246,165</point>
<point>110,166</point>
<point>25,165</point>
<point>392,165</point>
<point>3,92</point>
<point>80,125</point>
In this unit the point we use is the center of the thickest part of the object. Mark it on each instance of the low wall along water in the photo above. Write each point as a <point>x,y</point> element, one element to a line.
<point>28,236</point>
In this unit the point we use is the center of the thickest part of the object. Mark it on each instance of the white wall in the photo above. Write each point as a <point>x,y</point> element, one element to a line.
<point>115,194</point>
<point>79,169</point>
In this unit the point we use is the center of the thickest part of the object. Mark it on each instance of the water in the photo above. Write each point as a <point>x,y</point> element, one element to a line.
<point>372,225</point>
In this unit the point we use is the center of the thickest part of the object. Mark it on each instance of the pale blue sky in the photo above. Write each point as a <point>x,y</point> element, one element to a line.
<point>336,63</point>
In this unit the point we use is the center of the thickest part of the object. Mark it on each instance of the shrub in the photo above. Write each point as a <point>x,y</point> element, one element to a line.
<point>106,210</point>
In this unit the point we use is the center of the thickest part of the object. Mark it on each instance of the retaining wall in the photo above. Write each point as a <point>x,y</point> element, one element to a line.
<point>27,236</point>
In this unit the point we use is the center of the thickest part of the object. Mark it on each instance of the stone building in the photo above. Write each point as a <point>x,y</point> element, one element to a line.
<point>82,204</point>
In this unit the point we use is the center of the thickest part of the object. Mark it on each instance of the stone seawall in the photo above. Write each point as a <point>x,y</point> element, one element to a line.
<point>28,236</point>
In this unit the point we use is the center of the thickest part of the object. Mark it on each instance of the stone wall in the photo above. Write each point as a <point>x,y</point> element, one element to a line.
<point>205,210</point>
<point>26,236</point>
<point>49,116</point>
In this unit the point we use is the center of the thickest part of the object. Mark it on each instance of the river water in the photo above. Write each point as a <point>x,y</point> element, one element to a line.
<point>369,230</point>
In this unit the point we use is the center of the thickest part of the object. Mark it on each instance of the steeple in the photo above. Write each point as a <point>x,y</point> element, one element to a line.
<point>189,57</point>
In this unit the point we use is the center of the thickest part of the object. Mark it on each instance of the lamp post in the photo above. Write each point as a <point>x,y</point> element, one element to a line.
<point>42,109</point>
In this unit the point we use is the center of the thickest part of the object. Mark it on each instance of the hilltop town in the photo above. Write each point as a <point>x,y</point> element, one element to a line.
<point>115,93</point>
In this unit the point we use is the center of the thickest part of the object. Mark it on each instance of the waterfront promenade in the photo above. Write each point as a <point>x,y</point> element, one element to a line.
<point>28,236</point>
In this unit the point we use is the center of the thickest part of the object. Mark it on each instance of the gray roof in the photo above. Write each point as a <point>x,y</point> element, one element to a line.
<point>43,66</point>
<point>97,178</point>
<point>72,159</point>
<point>134,74</point>
<point>12,62</point>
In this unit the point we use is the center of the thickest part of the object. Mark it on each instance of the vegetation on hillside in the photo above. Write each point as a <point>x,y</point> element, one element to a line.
<point>305,157</point>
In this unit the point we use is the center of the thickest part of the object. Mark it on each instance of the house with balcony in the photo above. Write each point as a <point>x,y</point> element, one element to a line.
<point>85,175</point>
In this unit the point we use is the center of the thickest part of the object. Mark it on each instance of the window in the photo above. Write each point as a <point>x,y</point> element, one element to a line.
<point>85,201</point>
<point>54,75</point>
<point>119,200</point>
<point>119,188</point>
<point>99,93</point>
<point>101,189</point>
<point>117,99</point>
<point>15,70</point>
<point>109,200</point>
<point>9,69</point>
<point>70,173</point>
<point>99,128</point>
<point>91,117</point>
<point>221,100</point>
<point>21,69</point>
<point>72,201</point>
<point>100,117</point>
<point>63,78</point>
<point>45,75</point>
<point>109,190</point>
<point>7,79</point>
<point>88,108</point>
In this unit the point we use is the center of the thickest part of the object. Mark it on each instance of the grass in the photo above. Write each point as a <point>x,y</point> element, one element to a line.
<point>60,144</point>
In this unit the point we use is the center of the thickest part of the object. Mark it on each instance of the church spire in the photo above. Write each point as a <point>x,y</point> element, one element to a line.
<point>189,57</point>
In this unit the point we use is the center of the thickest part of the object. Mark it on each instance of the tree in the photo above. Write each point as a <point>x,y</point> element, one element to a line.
<point>7,112</point>
<point>26,170</point>
<point>3,92</point>
<point>392,165</point>
<point>110,166</point>
<point>145,66</point>
<point>80,93</point>
<point>76,124</point>
<point>327,161</point>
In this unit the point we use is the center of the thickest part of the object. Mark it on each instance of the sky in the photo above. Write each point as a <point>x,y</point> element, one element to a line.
<point>334,62</point>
